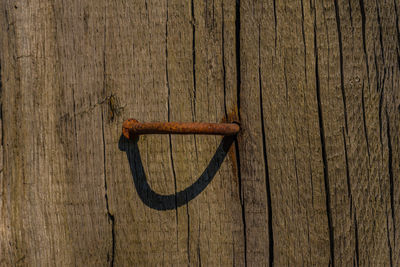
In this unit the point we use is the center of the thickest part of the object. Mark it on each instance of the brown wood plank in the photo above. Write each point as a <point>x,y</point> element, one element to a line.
<point>325,127</point>
<point>278,68</point>
<point>312,178</point>
<point>53,190</point>
<point>172,69</point>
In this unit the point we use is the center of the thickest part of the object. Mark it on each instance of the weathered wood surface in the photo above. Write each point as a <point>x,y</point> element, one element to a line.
<point>312,179</point>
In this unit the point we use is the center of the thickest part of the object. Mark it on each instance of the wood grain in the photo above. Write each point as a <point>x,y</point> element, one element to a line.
<point>328,97</point>
<point>312,178</point>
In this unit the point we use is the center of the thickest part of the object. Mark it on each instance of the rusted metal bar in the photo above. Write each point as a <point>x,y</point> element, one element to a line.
<point>132,127</point>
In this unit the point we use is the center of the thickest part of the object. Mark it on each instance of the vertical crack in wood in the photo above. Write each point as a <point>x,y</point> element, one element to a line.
<point>381,95</point>
<point>1,113</point>
<point>304,100</point>
<point>388,240</point>
<point>380,83</point>
<point>174,175</point>
<point>323,148</point>
<point>351,15</point>
<point>286,81</point>
<point>365,124</point>
<point>188,231</point>
<point>380,36</point>
<point>75,129</point>
<point>194,60</point>
<point>391,179</point>
<point>238,87</point>
<point>223,57</point>
<point>304,42</point>
<point>193,104</point>
<point>397,34</point>
<point>296,173</point>
<point>264,148</point>
<point>198,246</point>
<point>110,216</point>
<point>341,64</point>
<point>350,196</point>
<point>242,199</point>
<point>169,119</point>
<point>363,22</point>
<point>346,157</point>
<point>357,249</point>
<point>275,25</point>
<point>237,41</point>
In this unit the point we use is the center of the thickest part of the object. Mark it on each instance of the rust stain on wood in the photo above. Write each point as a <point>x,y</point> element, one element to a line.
<point>232,116</point>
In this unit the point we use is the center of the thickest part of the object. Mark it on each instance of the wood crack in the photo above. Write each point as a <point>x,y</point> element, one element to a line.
<point>388,241</point>
<point>1,112</point>
<point>390,170</point>
<point>357,249</point>
<point>304,42</point>
<point>238,87</point>
<point>364,122</point>
<point>110,216</point>
<point>194,60</point>
<point>347,169</point>
<point>275,25</point>
<point>242,200</point>
<point>237,41</point>
<point>351,15</point>
<point>188,231</point>
<point>380,32</point>
<point>323,152</point>
<point>264,149</point>
<point>223,58</point>
<point>198,247</point>
<point>363,20</point>
<point>397,33</point>
<point>339,31</point>
<point>169,119</point>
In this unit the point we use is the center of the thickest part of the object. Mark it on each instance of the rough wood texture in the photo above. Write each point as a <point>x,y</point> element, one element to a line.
<point>312,179</point>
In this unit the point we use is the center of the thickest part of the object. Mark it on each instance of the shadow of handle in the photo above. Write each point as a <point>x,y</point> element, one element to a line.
<point>169,202</point>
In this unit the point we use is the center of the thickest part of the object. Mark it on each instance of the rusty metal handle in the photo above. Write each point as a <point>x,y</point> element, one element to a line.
<point>132,127</point>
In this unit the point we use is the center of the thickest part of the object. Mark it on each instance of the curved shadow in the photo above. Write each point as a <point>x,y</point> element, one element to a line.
<point>169,202</point>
